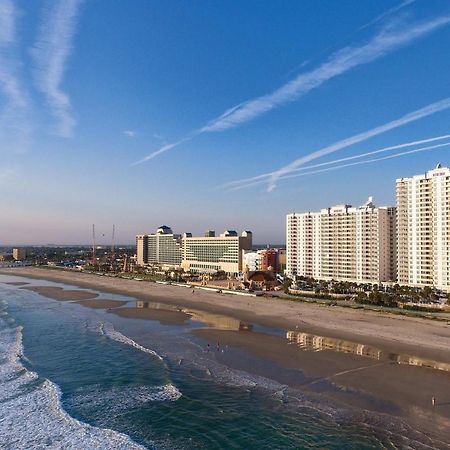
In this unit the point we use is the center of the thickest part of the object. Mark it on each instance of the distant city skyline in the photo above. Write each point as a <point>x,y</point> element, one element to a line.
<point>212,115</point>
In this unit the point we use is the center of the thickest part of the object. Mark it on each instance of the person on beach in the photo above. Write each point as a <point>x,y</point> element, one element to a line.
<point>433,401</point>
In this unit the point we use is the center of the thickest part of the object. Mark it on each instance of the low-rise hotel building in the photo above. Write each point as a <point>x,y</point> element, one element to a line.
<point>424,229</point>
<point>343,243</point>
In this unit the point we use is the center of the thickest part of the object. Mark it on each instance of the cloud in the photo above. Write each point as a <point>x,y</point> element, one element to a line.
<point>342,166</point>
<point>50,54</point>
<point>390,38</point>
<point>7,173</point>
<point>260,179</point>
<point>411,117</point>
<point>368,161</point>
<point>14,123</point>
<point>130,133</point>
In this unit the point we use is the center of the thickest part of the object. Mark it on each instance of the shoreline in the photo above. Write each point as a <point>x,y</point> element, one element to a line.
<point>398,334</point>
<point>367,381</point>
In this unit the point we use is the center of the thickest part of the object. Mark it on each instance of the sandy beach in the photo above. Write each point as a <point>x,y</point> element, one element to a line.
<point>58,293</point>
<point>101,304</point>
<point>163,316</point>
<point>400,334</point>
<point>375,361</point>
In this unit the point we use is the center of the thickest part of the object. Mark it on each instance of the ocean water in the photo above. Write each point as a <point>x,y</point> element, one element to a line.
<point>76,378</point>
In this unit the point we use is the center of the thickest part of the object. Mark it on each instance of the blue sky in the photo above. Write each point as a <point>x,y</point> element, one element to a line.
<point>142,112</point>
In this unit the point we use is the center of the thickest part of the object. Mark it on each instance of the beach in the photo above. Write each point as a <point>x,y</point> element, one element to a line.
<point>378,362</point>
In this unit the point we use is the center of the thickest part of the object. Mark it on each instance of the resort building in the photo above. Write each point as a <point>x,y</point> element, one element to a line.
<point>20,254</point>
<point>424,229</point>
<point>266,259</point>
<point>212,253</point>
<point>162,248</point>
<point>251,260</point>
<point>343,243</point>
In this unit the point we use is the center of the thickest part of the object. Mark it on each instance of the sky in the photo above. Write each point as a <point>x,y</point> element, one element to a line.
<point>212,114</point>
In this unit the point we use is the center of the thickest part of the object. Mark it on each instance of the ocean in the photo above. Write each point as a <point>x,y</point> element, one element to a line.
<point>76,378</point>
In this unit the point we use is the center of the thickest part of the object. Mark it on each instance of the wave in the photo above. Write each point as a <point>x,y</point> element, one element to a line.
<point>31,414</point>
<point>108,330</point>
<point>117,399</point>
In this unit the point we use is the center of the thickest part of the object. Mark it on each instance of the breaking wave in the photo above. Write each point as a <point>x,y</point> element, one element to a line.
<point>108,330</point>
<point>31,414</point>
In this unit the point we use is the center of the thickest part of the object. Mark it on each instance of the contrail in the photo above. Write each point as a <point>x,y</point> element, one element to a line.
<point>342,166</point>
<point>272,177</point>
<point>50,54</point>
<point>411,117</point>
<point>396,155</point>
<point>262,177</point>
<point>15,125</point>
<point>340,62</point>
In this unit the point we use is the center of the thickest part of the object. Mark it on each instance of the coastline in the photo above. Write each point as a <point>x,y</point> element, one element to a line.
<point>353,379</point>
<point>399,334</point>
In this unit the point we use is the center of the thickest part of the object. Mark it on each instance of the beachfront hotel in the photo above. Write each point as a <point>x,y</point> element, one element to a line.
<point>424,229</point>
<point>162,247</point>
<point>213,253</point>
<point>204,254</point>
<point>343,243</point>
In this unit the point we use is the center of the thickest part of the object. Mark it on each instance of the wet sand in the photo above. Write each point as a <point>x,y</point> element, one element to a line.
<point>17,283</point>
<point>377,385</point>
<point>57,293</point>
<point>380,385</point>
<point>399,334</point>
<point>163,316</point>
<point>101,304</point>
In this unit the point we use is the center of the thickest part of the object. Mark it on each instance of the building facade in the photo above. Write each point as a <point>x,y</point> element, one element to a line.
<point>423,229</point>
<point>161,248</point>
<point>216,253</point>
<point>343,243</point>
<point>20,253</point>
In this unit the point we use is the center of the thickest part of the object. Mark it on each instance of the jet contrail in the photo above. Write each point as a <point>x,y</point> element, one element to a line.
<point>386,41</point>
<point>342,166</point>
<point>411,117</point>
<point>262,177</point>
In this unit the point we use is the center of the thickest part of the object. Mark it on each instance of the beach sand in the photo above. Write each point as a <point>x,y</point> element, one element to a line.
<point>57,293</point>
<point>101,304</point>
<point>399,334</point>
<point>387,384</point>
<point>163,316</point>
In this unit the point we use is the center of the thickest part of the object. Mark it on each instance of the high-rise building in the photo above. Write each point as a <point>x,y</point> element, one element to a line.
<point>20,254</point>
<point>423,226</point>
<point>162,247</point>
<point>216,253</point>
<point>343,243</point>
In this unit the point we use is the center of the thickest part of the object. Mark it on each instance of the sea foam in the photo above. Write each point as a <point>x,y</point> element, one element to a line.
<point>31,414</point>
<point>108,330</point>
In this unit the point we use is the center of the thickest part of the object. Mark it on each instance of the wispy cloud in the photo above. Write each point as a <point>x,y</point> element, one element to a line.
<point>368,161</point>
<point>273,177</point>
<point>7,173</point>
<point>50,54</point>
<point>130,133</point>
<point>408,118</point>
<point>14,124</point>
<point>262,179</point>
<point>390,38</point>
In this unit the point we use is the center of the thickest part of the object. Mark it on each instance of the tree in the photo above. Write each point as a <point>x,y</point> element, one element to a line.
<point>287,283</point>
